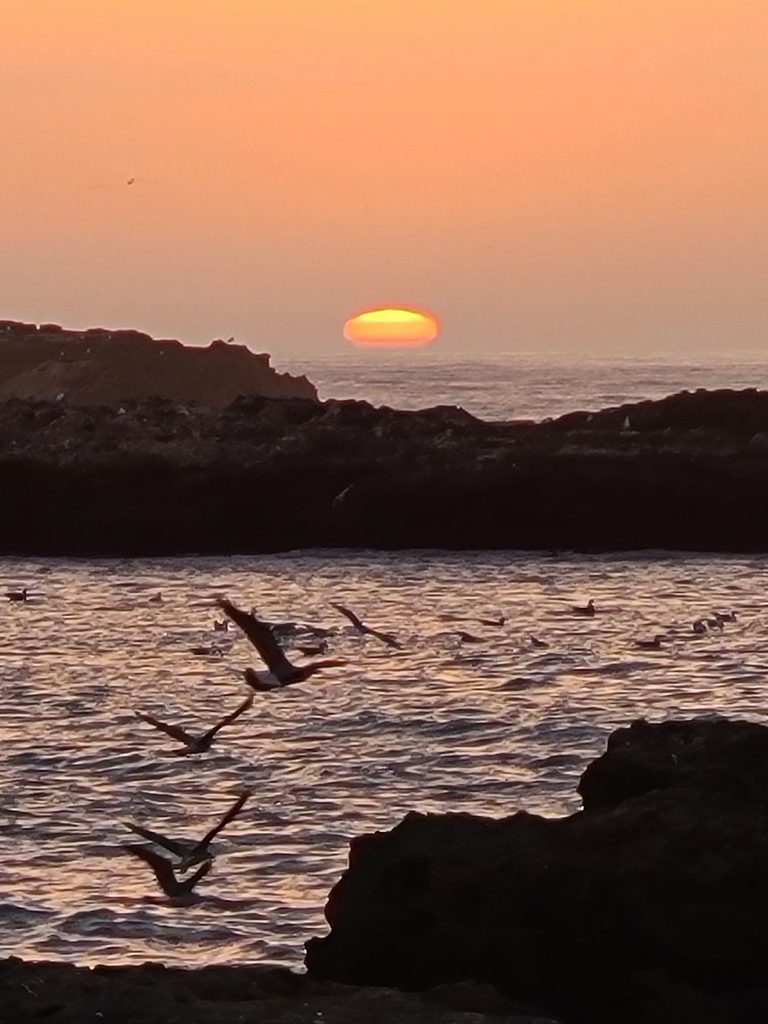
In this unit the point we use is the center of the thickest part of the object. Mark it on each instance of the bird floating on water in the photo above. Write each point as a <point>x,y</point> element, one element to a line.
<point>191,852</point>
<point>194,744</point>
<point>178,889</point>
<point>221,627</point>
<point>360,627</point>
<point>587,609</point>
<point>700,627</point>
<point>17,595</point>
<point>536,642</point>
<point>650,645</point>
<point>493,622</point>
<point>156,598</point>
<point>280,671</point>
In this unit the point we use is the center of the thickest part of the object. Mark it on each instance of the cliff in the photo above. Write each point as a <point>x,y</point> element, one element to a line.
<point>102,367</point>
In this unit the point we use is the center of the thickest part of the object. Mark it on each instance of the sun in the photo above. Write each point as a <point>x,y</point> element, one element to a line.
<point>394,326</point>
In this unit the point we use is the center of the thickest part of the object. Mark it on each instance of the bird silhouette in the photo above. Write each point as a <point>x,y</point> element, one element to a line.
<point>194,744</point>
<point>281,672</point>
<point>178,889</point>
<point>191,852</point>
<point>360,626</point>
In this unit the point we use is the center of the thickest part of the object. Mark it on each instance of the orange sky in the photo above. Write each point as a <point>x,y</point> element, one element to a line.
<point>555,174</point>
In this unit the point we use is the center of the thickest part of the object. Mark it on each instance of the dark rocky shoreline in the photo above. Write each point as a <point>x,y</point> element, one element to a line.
<point>649,906</point>
<point>689,472</point>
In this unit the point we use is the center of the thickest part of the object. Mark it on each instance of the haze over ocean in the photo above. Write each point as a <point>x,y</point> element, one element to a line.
<point>497,385</point>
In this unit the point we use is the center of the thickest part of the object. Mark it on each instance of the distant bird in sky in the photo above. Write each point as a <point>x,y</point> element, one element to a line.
<point>179,890</point>
<point>194,744</point>
<point>189,851</point>
<point>587,609</point>
<point>281,672</point>
<point>360,626</point>
<point>17,595</point>
<point>130,181</point>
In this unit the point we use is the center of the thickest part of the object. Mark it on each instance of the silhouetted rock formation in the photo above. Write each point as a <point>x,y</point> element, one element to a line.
<point>648,907</point>
<point>102,367</point>
<point>689,472</point>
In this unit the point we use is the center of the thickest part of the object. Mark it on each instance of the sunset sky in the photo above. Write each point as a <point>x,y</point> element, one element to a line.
<point>572,175</point>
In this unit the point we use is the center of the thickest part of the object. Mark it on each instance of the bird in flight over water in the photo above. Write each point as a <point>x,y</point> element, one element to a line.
<point>178,889</point>
<point>280,671</point>
<point>360,626</point>
<point>191,852</point>
<point>194,744</point>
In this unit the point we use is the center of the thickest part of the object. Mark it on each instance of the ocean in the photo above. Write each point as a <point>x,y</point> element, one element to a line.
<point>520,385</point>
<point>491,725</point>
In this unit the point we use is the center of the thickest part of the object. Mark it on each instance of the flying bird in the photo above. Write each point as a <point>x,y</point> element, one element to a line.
<point>361,627</point>
<point>130,181</point>
<point>281,672</point>
<point>179,890</point>
<point>194,744</point>
<point>587,609</point>
<point>188,851</point>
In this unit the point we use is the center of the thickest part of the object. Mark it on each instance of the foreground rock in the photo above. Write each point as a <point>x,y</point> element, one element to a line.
<point>102,367</point>
<point>648,907</point>
<point>152,994</point>
<point>689,472</point>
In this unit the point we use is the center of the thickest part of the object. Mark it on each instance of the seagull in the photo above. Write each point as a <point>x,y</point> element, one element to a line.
<point>725,616</point>
<point>587,609</point>
<point>189,852</point>
<point>177,889</point>
<point>650,645</point>
<point>280,670</point>
<point>17,595</point>
<point>130,181</point>
<point>194,744</point>
<point>363,629</point>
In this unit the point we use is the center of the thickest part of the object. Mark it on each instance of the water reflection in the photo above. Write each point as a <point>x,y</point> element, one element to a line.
<point>443,724</point>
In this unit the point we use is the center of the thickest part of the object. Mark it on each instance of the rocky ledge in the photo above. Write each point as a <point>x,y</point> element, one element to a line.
<point>153,994</point>
<point>650,906</point>
<point>689,472</point>
<point>104,367</point>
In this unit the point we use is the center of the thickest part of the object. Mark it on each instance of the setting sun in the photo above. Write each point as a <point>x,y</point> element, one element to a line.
<point>392,326</point>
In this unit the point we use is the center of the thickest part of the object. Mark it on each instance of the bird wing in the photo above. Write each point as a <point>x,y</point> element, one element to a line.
<point>384,637</point>
<point>172,845</point>
<point>261,637</point>
<point>229,718</point>
<point>175,731</point>
<point>233,812</point>
<point>160,866</point>
<point>357,623</point>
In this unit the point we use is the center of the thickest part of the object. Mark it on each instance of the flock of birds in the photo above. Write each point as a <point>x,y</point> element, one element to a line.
<point>279,672</point>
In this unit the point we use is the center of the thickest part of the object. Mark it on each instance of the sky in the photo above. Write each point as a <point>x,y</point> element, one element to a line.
<point>543,175</point>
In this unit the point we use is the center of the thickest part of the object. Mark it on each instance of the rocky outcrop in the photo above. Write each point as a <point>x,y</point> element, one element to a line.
<point>152,994</point>
<point>104,367</point>
<point>650,906</point>
<point>162,477</point>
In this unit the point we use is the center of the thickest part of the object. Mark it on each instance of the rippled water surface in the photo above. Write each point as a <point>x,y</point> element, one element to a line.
<point>443,724</point>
